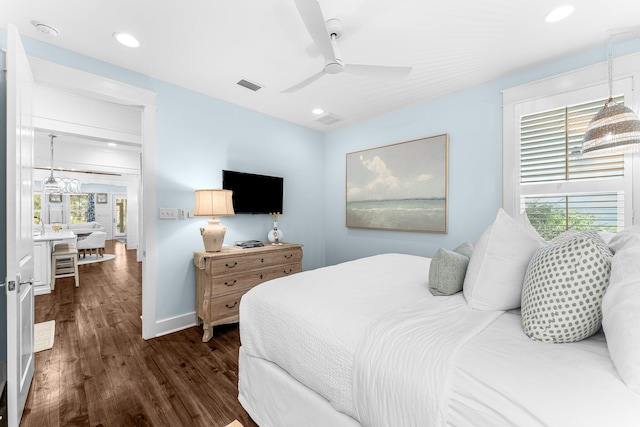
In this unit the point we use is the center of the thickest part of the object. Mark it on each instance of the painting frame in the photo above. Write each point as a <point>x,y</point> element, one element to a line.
<point>101,198</point>
<point>399,187</point>
<point>55,198</point>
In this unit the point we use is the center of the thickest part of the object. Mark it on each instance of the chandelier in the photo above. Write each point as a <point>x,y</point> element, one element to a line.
<point>53,185</point>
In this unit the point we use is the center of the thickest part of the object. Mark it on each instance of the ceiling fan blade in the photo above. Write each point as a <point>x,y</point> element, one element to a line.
<point>304,83</point>
<point>383,71</point>
<point>314,21</point>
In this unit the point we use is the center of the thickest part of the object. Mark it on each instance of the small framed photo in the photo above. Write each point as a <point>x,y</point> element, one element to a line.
<point>55,198</point>
<point>101,197</point>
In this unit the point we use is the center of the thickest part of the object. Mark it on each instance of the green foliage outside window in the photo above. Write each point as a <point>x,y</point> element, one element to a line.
<point>550,219</point>
<point>37,208</point>
<point>78,206</point>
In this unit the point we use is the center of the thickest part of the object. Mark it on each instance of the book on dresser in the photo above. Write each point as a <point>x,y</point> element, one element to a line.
<point>222,278</point>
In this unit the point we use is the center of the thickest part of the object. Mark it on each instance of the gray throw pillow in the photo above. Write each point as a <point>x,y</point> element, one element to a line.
<point>448,268</point>
<point>563,289</point>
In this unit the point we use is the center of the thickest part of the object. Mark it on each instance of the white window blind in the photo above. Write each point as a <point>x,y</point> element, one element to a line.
<point>550,144</point>
<point>550,161</point>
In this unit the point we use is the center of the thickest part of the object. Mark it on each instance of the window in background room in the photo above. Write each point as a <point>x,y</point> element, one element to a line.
<point>37,208</point>
<point>560,189</point>
<point>78,207</point>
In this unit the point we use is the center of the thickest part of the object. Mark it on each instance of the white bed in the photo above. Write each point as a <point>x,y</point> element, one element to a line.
<point>366,343</point>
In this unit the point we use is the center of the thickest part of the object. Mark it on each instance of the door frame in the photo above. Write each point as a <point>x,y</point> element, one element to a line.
<point>60,77</point>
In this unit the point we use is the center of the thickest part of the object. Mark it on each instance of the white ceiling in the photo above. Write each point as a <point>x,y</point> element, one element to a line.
<point>209,45</point>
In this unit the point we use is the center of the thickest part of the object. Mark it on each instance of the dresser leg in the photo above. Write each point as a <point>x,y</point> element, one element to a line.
<point>208,332</point>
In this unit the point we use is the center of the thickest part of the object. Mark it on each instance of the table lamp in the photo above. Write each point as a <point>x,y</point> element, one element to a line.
<point>213,203</point>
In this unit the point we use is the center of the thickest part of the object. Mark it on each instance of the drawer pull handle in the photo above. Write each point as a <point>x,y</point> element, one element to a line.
<point>230,283</point>
<point>261,275</point>
<point>231,306</point>
<point>231,265</point>
<point>288,271</point>
<point>288,256</point>
<point>261,259</point>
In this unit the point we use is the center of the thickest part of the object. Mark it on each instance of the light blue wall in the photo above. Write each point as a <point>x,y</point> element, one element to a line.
<point>196,137</point>
<point>473,120</point>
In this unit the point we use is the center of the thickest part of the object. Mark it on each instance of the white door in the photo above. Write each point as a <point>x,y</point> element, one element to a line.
<point>20,361</point>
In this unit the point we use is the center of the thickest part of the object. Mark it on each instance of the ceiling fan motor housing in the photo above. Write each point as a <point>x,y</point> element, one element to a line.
<point>334,27</point>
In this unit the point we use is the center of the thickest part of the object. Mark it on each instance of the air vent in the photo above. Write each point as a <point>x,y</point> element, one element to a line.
<point>329,119</point>
<point>249,85</point>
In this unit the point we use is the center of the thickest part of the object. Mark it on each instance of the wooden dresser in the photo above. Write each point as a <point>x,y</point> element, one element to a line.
<point>223,277</point>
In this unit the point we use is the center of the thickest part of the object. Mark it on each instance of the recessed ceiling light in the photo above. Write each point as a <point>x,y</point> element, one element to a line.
<point>45,29</point>
<point>126,39</point>
<point>317,111</point>
<point>112,144</point>
<point>559,13</point>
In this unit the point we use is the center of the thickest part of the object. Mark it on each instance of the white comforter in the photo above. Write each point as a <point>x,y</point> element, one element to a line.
<point>311,327</point>
<point>402,368</point>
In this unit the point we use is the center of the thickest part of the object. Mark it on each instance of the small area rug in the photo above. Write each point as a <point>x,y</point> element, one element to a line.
<point>43,334</point>
<point>88,259</point>
<point>234,423</point>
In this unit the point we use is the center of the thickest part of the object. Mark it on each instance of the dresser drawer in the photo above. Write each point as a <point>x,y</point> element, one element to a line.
<point>253,261</point>
<point>226,307</point>
<point>242,282</point>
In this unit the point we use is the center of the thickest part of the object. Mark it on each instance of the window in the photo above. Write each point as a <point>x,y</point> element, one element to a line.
<point>78,207</point>
<point>37,208</point>
<point>550,144</point>
<point>544,173</point>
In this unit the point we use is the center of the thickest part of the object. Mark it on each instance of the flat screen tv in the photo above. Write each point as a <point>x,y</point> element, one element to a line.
<point>254,194</point>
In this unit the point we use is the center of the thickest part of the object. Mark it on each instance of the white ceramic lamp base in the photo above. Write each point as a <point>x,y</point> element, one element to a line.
<point>213,235</point>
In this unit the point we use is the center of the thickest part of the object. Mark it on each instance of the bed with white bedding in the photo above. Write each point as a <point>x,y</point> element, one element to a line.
<point>366,343</point>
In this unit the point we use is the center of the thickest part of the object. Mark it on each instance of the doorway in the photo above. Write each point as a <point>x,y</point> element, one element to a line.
<point>83,89</point>
<point>119,203</point>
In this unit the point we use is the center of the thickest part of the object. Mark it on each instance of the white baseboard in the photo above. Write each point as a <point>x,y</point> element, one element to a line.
<point>41,289</point>
<point>175,324</point>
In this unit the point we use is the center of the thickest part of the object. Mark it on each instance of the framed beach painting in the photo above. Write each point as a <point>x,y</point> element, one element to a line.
<point>400,187</point>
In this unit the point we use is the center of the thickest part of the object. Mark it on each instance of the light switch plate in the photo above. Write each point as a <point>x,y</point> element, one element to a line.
<point>168,213</point>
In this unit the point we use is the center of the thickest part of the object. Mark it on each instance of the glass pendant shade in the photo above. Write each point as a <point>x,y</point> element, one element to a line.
<point>614,129</point>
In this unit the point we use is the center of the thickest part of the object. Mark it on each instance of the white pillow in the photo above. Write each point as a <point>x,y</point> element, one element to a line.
<point>497,266</point>
<point>621,307</point>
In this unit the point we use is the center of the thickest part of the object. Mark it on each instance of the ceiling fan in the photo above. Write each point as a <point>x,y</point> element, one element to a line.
<point>325,35</point>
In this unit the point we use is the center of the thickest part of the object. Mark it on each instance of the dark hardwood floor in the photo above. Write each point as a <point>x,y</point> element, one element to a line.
<point>100,372</point>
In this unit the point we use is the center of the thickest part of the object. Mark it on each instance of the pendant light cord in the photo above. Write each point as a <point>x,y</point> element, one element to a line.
<point>610,65</point>
<point>52,136</point>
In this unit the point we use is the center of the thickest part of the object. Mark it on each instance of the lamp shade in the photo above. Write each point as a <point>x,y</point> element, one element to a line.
<point>614,130</point>
<point>214,203</point>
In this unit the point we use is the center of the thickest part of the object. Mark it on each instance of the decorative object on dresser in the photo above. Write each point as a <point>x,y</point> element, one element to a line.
<point>222,278</point>
<point>275,235</point>
<point>213,203</point>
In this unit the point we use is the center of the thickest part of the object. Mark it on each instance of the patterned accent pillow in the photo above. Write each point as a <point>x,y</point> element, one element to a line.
<point>563,289</point>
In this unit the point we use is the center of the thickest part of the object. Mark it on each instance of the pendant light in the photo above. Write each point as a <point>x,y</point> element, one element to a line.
<point>53,185</point>
<point>615,128</point>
